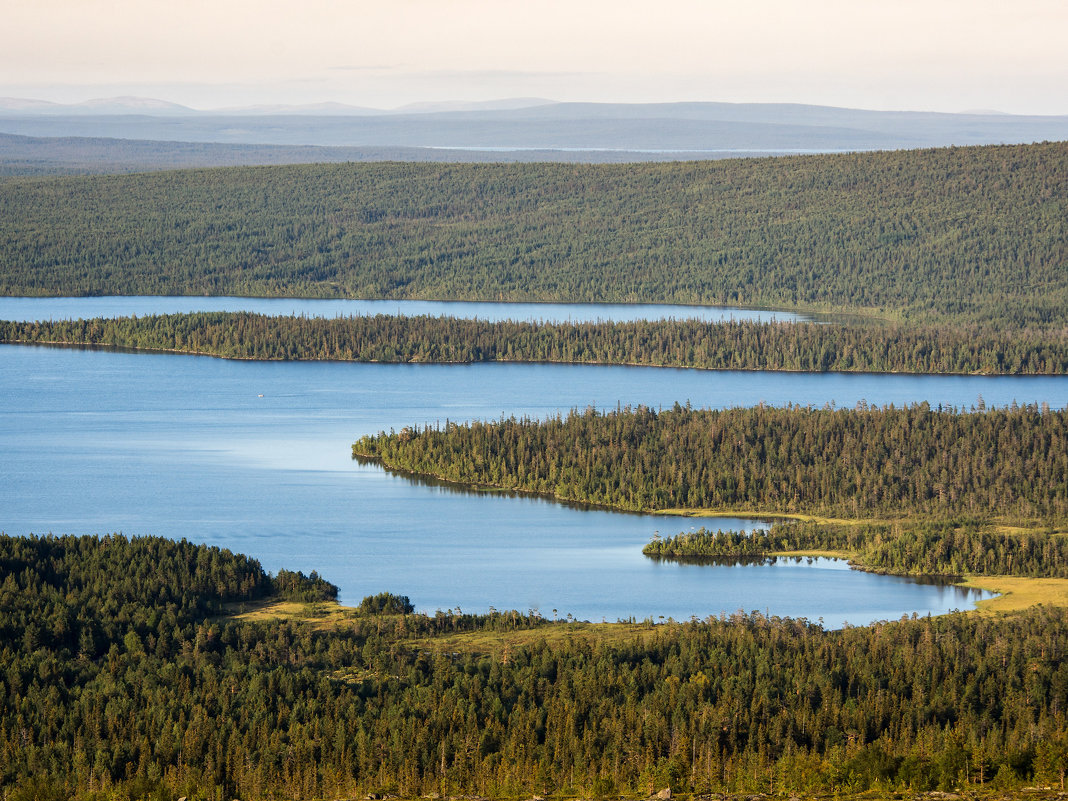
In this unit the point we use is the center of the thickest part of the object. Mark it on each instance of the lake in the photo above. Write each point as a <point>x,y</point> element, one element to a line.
<point>29,309</point>
<point>255,457</point>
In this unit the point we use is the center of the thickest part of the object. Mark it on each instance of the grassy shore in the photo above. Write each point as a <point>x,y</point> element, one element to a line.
<point>1003,526</point>
<point>1017,593</point>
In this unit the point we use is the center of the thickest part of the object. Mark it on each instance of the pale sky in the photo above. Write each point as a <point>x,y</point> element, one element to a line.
<point>940,55</point>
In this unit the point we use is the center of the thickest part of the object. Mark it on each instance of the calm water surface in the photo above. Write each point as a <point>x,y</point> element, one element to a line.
<point>31,309</point>
<point>255,456</point>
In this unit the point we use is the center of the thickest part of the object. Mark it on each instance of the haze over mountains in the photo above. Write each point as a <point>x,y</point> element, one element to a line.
<point>156,134</point>
<point>128,104</point>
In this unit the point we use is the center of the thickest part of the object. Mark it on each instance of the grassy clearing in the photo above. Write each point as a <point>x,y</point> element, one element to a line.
<point>1015,594</point>
<point>1002,525</point>
<point>1018,593</point>
<point>499,643</point>
<point>331,616</point>
<point>746,515</point>
<point>1017,529</point>
<point>825,554</point>
<point>323,615</point>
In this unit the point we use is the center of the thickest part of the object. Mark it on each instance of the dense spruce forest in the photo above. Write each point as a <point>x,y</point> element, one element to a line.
<point>953,547</point>
<point>975,234</point>
<point>863,462</point>
<point>120,679</point>
<point>688,343</point>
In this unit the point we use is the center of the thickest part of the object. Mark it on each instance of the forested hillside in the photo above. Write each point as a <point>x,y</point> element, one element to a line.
<point>967,234</point>
<point>690,343</point>
<point>854,463</point>
<point>118,679</point>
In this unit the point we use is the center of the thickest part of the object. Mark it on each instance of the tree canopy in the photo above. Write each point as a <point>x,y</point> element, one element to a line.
<point>840,462</point>
<point>961,234</point>
<point>119,676</point>
<point>688,343</point>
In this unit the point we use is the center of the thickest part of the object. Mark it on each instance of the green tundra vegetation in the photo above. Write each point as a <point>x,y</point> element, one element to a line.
<point>122,677</point>
<point>975,234</point>
<point>687,343</point>
<point>1009,463</point>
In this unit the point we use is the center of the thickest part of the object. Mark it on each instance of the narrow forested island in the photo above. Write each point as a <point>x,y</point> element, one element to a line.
<point>734,345</point>
<point>147,668</point>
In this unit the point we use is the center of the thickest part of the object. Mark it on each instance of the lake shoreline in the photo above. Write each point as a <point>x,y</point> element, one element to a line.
<point>100,440</point>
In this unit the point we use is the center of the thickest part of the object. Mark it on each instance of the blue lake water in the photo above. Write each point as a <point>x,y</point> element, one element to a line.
<point>27,309</point>
<point>255,456</point>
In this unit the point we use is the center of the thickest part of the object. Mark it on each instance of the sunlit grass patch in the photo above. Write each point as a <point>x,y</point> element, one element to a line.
<point>1017,593</point>
<point>321,614</point>
<point>499,643</point>
<point>770,515</point>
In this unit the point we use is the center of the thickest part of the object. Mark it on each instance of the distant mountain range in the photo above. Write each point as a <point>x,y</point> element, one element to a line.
<point>506,130</point>
<point>101,105</point>
<point>149,105</point>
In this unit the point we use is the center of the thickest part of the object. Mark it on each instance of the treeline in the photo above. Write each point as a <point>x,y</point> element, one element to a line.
<point>295,586</point>
<point>170,702</point>
<point>963,234</point>
<point>734,345</point>
<point>100,590</point>
<point>846,463</point>
<point>945,547</point>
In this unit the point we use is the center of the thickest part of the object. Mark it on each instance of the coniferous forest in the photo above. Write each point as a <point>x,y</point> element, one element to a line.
<point>951,235</point>
<point>948,547</point>
<point>123,676</point>
<point>739,345</point>
<point>852,463</point>
<point>145,669</point>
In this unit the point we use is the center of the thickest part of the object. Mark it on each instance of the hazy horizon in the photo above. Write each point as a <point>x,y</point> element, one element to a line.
<point>452,104</point>
<point>950,56</point>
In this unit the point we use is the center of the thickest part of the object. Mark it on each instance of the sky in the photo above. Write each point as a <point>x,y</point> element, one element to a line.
<point>936,55</point>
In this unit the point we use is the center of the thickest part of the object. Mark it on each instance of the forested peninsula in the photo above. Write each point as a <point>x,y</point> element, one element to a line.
<point>1009,463</point>
<point>736,345</point>
<point>974,234</point>
<point>149,669</point>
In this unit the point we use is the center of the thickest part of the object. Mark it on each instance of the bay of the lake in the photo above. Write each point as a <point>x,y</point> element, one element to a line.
<point>255,457</point>
<point>30,309</point>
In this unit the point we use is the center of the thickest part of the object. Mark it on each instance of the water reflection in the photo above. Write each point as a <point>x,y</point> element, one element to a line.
<point>769,560</point>
<point>39,309</point>
<point>475,490</point>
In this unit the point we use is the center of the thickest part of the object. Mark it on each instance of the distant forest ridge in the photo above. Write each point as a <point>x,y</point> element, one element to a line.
<point>961,234</point>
